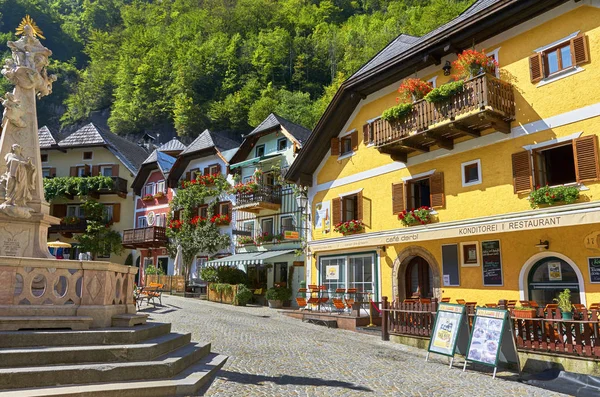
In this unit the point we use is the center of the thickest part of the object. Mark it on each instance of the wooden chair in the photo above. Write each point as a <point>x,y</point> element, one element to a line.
<point>471,304</point>
<point>445,300</point>
<point>338,302</point>
<point>301,299</point>
<point>350,297</point>
<point>511,303</point>
<point>491,305</point>
<point>533,304</point>
<point>461,301</point>
<point>324,299</point>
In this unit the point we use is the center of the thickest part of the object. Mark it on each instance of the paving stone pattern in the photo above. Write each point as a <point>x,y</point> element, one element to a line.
<point>274,355</point>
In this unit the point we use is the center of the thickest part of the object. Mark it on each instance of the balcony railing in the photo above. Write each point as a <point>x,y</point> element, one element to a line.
<point>266,197</point>
<point>146,237</point>
<point>64,228</point>
<point>486,102</point>
<point>119,187</point>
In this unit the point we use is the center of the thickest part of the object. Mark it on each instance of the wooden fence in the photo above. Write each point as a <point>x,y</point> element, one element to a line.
<point>547,333</point>
<point>171,283</point>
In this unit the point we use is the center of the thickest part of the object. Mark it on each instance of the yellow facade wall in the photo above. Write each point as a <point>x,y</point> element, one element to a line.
<point>63,161</point>
<point>495,195</point>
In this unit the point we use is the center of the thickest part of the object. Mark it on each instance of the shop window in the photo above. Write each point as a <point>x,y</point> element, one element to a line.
<point>281,144</point>
<point>419,279</point>
<point>558,57</point>
<point>257,276</point>
<point>88,155</point>
<point>471,173</point>
<point>549,277</point>
<point>266,226</point>
<point>260,151</point>
<point>355,271</point>
<point>570,162</point>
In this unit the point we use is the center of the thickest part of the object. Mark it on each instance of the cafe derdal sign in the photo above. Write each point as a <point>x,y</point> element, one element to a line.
<point>440,231</point>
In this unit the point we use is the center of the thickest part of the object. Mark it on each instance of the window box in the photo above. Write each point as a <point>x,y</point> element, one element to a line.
<point>245,240</point>
<point>159,195</point>
<point>524,313</point>
<point>267,238</point>
<point>547,196</point>
<point>419,216</point>
<point>220,220</point>
<point>350,227</point>
<point>148,197</point>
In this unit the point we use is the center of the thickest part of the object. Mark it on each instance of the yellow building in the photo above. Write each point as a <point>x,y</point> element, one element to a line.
<point>91,151</point>
<point>474,159</point>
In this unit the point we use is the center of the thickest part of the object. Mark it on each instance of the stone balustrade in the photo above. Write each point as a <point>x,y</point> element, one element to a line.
<point>50,287</point>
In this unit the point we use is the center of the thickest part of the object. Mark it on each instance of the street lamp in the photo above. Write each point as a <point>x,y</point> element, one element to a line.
<point>302,199</point>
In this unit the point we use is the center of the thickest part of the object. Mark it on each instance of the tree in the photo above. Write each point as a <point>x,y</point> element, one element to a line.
<point>193,233</point>
<point>98,238</point>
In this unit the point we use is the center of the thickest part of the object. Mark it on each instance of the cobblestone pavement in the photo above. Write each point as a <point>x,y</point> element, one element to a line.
<point>274,355</point>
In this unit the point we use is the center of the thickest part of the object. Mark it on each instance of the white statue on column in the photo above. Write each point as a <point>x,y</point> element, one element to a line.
<point>16,183</point>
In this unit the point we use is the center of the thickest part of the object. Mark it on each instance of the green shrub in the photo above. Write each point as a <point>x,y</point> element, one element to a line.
<point>209,274</point>
<point>443,92</point>
<point>397,113</point>
<point>278,294</point>
<point>151,270</point>
<point>224,275</point>
<point>243,295</point>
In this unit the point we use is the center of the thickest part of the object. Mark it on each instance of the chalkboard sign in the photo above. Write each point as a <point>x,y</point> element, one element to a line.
<point>594,268</point>
<point>492,263</point>
<point>492,340</point>
<point>450,264</point>
<point>450,331</point>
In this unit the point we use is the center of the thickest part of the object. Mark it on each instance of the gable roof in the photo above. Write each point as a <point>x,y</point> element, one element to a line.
<point>208,139</point>
<point>46,138</point>
<point>129,153</point>
<point>174,145</point>
<point>400,58</point>
<point>274,121</point>
<point>157,160</point>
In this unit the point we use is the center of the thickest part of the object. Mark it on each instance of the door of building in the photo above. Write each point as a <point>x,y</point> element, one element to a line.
<point>163,264</point>
<point>418,278</point>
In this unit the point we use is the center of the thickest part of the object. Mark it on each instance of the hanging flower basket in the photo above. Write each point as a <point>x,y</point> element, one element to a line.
<point>349,227</point>
<point>419,216</point>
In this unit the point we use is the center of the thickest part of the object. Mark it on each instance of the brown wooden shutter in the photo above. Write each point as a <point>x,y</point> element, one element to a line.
<point>188,176</point>
<point>336,211</point>
<point>218,169</point>
<point>398,204</point>
<point>176,214</point>
<point>536,67</point>
<point>73,171</point>
<point>579,50</point>
<point>585,152</point>
<point>59,210</point>
<point>115,170</point>
<point>206,171</point>
<point>230,210</point>
<point>116,212</point>
<point>359,206</point>
<point>52,172</point>
<point>217,209</point>
<point>87,170</point>
<point>436,186</point>
<point>354,140</point>
<point>366,134</point>
<point>522,173</point>
<point>95,170</point>
<point>335,147</point>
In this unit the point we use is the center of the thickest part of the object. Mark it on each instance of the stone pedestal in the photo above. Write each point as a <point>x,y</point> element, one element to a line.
<point>25,237</point>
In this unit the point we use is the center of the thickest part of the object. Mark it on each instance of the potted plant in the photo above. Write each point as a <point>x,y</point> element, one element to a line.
<point>397,113</point>
<point>524,312</point>
<point>417,216</point>
<point>564,304</point>
<point>277,295</point>
<point>242,296</point>
<point>412,90</point>
<point>444,92</point>
<point>349,227</point>
<point>553,195</point>
<point>471,62</point>
<point>245,188</point>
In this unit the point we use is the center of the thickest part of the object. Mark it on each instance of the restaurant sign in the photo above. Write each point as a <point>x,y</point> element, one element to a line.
<point>291,235</point>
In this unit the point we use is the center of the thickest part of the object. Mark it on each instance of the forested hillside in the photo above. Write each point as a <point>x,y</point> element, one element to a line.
<point>219,64</point>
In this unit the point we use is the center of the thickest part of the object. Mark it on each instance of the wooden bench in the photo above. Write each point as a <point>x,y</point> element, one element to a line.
<point>149,294</point>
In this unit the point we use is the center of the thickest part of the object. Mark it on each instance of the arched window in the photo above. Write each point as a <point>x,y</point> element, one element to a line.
<point>550,276</point>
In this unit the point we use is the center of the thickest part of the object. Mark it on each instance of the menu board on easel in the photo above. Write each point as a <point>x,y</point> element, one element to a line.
<point>492,340</point>
<point>450,331</point>
<point>491,263</point>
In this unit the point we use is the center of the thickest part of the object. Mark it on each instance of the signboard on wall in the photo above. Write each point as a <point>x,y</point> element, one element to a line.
<point>594,268</point>
<point>322,215</point>
<point>291,235</point>
<point>554,271</point>
<point>491,263</point>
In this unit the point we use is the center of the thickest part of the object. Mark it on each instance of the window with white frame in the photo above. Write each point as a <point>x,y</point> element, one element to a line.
<point>281,144</point>
<point>160,187</point>
<point>266,226</point>
<point>224,209</point>
<point>213,169</point>
<point>161,220</point>
<point>287,223</point>
<point>260,151</point>
<point>471,173</point>
<point>108,212</point>
<point>352,271</point>
<point>106,170</point>
<point>142,222</point>
<point>75,210</point>
<point>46,173</point>
<point>248,226</point>
<point>149,189</point>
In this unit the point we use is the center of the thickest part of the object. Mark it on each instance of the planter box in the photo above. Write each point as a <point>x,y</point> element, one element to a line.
<point>275,304</point>
<point>223,297</point>
<point>518,313</point>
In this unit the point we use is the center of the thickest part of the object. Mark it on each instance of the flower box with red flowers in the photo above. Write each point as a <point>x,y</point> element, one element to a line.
<point>471,63</point>
<point>148,197</point>
<point>197,220</point>
<point>267,238</point>
<point>159,195</point>
<point>175,224</point>
<point>202,180</point>
<point>245,240</point>
<point>349,227</point>
<point>412,90</point>
<point>418,216</point>
<point>546,195</point>
<point>70,220</point>
<point>249,187</point>
<point>221,220</point>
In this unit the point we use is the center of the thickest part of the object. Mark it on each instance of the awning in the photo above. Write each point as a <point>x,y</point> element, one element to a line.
<point>248,258</point>
<point>253,161</point>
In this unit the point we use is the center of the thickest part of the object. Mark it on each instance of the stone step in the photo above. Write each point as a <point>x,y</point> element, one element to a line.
<point>144,351</point>
<point>129,320</point>
<point>165,366</point>
<point>108,336</point>
<point>15,323</point>
<point>186,383</point>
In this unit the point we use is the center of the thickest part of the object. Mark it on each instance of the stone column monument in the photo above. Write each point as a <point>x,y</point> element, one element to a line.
<point>24,212</point>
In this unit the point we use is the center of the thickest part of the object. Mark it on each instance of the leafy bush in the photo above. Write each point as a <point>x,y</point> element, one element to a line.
<point>223,275</point>
<point>552,195</point>
<point>443,92</point>
<point>209,274</point>
<point>278,294</point>
<point>74,186</point>
<point>243,295</point>
<point>564,301</point>
<point>151,270</point>
<point>397,113</point>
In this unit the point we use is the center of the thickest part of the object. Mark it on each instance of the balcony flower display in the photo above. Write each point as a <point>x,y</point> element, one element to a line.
<point>197,219</point>
<point>470,63</point>
<point>148,197</point>
<point>175,224</point>
<point>397,113</point>
<point>417,216</point>
<point>349,227</point>
<point>159,194</point>
<point>269,238</point>
<point>245,188</point>
<point>552,195</point>
<point>220,220</point>
<point>69,220</point>
<point>203,180</point>
<point>412,90</point>
<point>445,91</point>
<point>245,240</point>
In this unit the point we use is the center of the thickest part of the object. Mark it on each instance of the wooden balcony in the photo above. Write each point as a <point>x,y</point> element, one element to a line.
<point>119,188</point>
<point>69,228</point>
<point>146,237</point>
<point>265,198</point>
<point>485,103</point>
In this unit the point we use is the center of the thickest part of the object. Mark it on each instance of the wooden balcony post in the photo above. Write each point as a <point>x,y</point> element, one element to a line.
<point>384,319</point>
